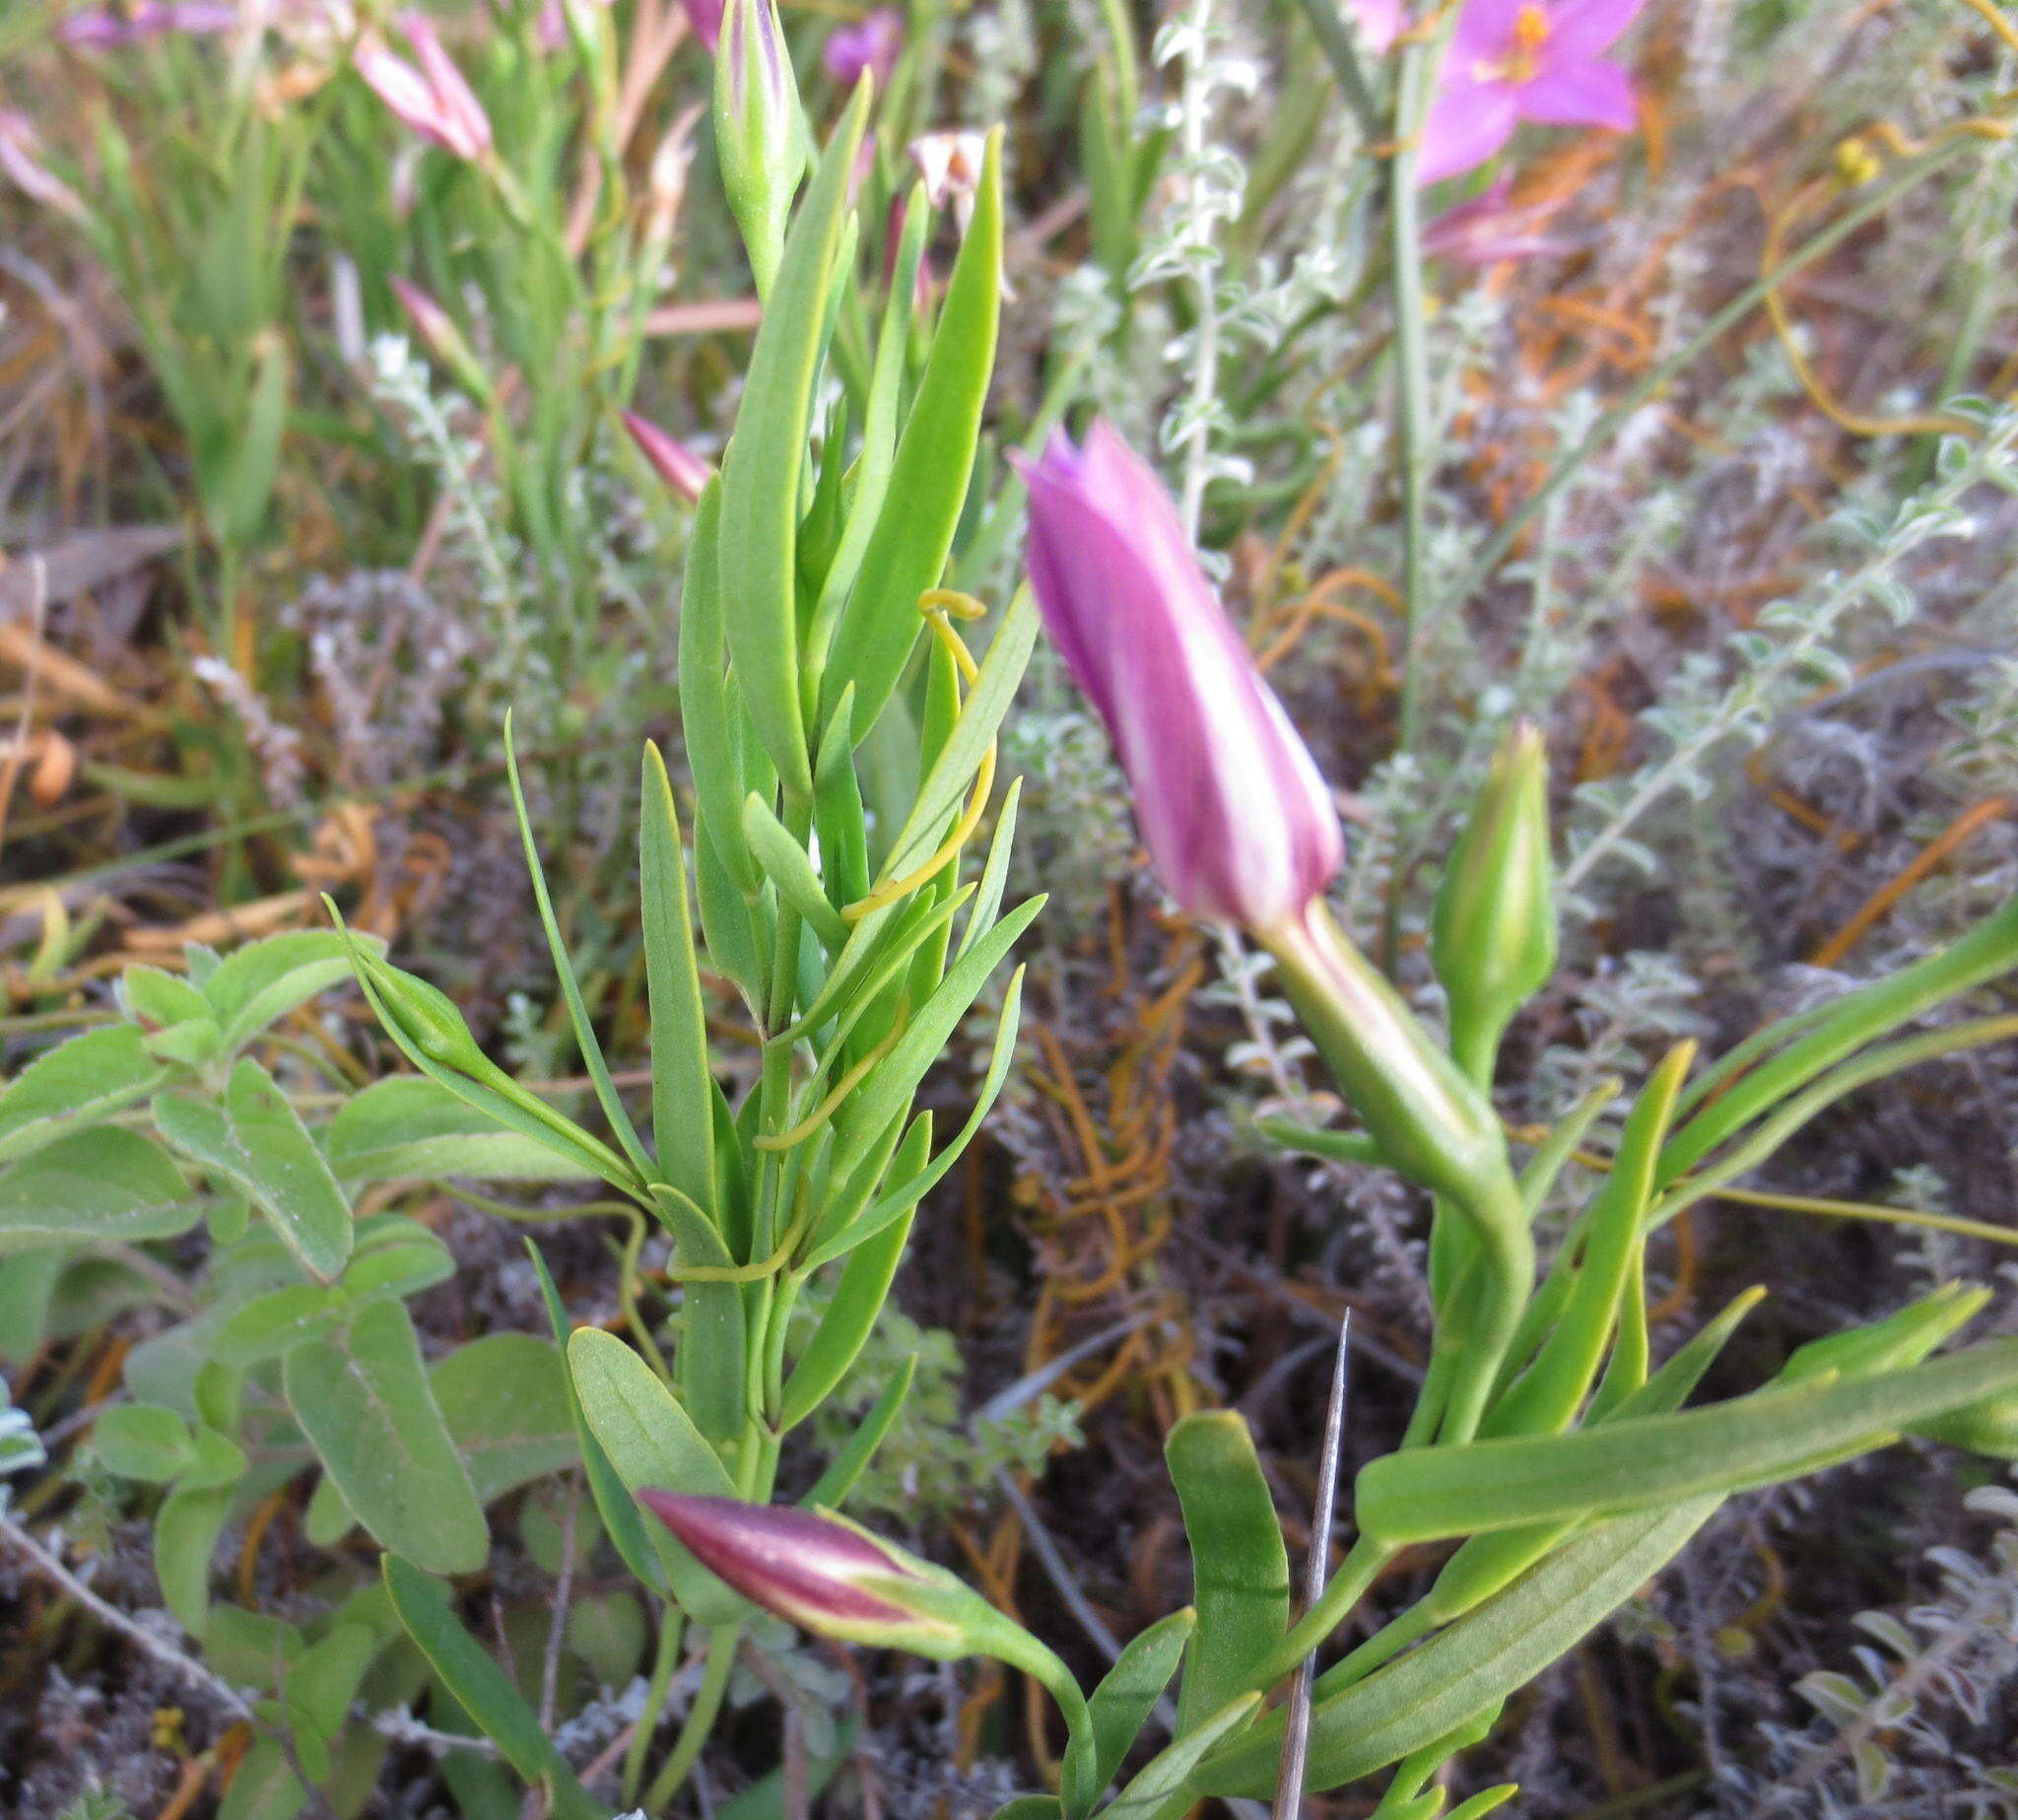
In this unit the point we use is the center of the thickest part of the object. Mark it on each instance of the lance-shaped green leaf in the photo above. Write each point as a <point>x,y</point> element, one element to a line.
<point>1120,1705</point>
<point>82,1079</point>
<point>614,1503</point>
<point>711,1360</point>
<point>106,1186</point>
<point>682,1087</point>
<point>838,818</point>
<point>759,481</point>
<point>831,1490</point>
<point>959,757</point>
<point>914,1184</point>
<point>871,477</point>
<point>1746,1084</point>
<point>651,1441</point>
<point>429,1032</point>
<point>708,711</point>
<point>365,1403</point>
<point>408,1127</point>
<point>1549,1392</point>
<point>1773,1434</point>
<point>1486,1562</point>
<point>585,1041</point>
<point>1239,1569</point>
<point>1164,1777</point>
<point>845,1324</point>
<point>1471,1666</point>
<point>257,1142</point>
<point>987,896</point>
<point>789,867</point>
<point>485,1691</point>
<point>914,535</point>
<point>882,1098</point>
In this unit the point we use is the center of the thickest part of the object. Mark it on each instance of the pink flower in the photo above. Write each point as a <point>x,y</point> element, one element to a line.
<point>434,100</point>
<point>1486,231</point>
<point>817,1572</point>
<point>1380,23</point>
<point>102,27</point>
<point>1237,819</point>
<point>1515,60</point>
<point>704,20</point>
<point>21,162</point>
<point>682,470</point>
<point>870,44</point>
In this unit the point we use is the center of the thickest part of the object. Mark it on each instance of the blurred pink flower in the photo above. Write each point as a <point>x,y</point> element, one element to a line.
<point>1237,819</point>
<point>1515,60</point>
<point>434,100</point>
<point>21,162</point>
<point>704,19</point>
<point>683,471</point>
<point>1380,23</point>
<point>100,28</point>
<point>870,44</point>
<point>1488,231</point>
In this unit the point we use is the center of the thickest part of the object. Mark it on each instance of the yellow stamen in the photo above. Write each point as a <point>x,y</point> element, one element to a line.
<point>1524,48</point>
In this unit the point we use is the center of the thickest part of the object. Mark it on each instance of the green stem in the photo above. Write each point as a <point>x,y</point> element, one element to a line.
<point>701,1718</point>
<point>672,1627</point>
<point>1360,1569</point>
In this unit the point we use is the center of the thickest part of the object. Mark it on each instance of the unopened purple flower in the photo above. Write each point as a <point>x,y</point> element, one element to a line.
<point>1515,60</point>
<point>1236,818</point>
<point>1489,231</point>
<point>704,20</point>
<point>102,27</point>
<point>434,100</point>
<point>869,45</point>
<point>814,1571</point>
<point>682,470</point>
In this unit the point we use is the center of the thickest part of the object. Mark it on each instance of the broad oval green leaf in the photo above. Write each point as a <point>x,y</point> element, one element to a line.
<point>143,1441</point>
<point>103,1185</point>
<point>363,1400</point>
<point>264,980</point>
<point>504,1399</point>
<point>408,1127</point>
<point>76,1081</point>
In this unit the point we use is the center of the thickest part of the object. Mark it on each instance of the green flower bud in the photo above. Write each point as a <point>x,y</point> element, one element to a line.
<point>1493,936</point>
<point>760,132</point>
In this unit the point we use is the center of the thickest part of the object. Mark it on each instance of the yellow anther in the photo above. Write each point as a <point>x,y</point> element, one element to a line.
<point>1855,162</point>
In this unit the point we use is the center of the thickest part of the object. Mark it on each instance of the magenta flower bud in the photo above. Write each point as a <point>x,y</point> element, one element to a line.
<point>102,28</point>
<point>869,45</point>
<point>438,333</point>
<point>704,20</point>
<point>822,1575</point>
<point>1238,822</point>
<point>682,470</point>
<point>433,101</point>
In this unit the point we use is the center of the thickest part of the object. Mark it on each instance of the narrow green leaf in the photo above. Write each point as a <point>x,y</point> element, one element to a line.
<point>831,1490</point>
<point>485,1691</point>
<point>928,483</point>
<point>845,1324</point>
<point>710,1360</point>
<point>365,1403</point>
<point>980,718</point>
<point>652,1443</point>
<point>789,867</point>
<point>106,1185</point>
<point>1471,1666</point>
<point>911,1187</point>
<point>682,1087</point>
<point>585,1041</point>
<point>987,898</point>
<point>883,1097</point>
<point>82,1079</point>
<point>707,712</point>
<point>1239,1569</point>
<point>1773,1434</point>
<point>1121,1703</point>
<point>623,1520</point>
<point>1166,1774</point>
<point>759,481</point>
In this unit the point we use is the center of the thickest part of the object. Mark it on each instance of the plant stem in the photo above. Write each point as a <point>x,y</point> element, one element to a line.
<point>1361,1567</point>
<point>701,1718</point>
<point>671,1628</point>
<point>1412,377</point>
